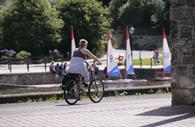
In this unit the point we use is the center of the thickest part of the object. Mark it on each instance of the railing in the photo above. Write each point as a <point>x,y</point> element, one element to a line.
<point>147,62</point>
<point>18,62</point>
<point>41,65</point>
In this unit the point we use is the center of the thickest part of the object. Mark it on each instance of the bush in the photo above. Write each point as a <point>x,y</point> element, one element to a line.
<point>4,57</point>
<point>56,55</point>
<point>120,63</point>
<point>23,55</point>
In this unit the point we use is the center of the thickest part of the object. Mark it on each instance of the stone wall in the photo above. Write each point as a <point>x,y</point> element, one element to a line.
<point>183,40</point>
<point>50,78</point>
<point>30,78</point>
<point>142,39</point>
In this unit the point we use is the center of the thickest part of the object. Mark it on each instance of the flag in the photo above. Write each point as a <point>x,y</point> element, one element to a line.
<point>73,46</point>
<point>112,67</point>
<point>129,65</point>
<point>166,55</point>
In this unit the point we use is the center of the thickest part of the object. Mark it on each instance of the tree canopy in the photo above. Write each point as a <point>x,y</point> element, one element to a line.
<point>89,19</point>
<point>38,26</point>
<point>31,25</point>
<point>140,13</point>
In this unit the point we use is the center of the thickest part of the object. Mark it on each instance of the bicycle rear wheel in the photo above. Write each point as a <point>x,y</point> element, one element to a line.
<point>71,92</point>
<point>96,90</point>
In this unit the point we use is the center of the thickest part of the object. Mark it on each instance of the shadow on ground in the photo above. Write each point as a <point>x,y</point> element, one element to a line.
<point>181,113</point>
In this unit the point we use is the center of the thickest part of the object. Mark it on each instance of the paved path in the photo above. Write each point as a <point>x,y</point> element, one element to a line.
<point>128,111</point>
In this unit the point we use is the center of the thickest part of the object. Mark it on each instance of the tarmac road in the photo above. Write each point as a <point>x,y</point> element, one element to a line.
<point>126,111</point>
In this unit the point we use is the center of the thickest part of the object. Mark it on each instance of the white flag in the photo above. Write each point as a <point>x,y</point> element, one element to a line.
<point>166,55</point>
<point>129,65</point>
<point>112,67</point>
<point>73,46</point>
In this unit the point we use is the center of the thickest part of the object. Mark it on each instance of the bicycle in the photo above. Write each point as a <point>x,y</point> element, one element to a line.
<point>74,86</point>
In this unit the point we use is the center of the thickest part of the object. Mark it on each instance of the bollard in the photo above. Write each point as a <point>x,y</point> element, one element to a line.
<point>140,59</point>
<point>45,65</point>
<point>151,62</point>
<point>27,66</point>
<point>10,67</point>
<point>141,63</point>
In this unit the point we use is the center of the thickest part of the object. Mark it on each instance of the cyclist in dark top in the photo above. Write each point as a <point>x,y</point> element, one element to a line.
<point>78,63</point>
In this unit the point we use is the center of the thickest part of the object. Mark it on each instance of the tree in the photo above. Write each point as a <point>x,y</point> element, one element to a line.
<point>90,21</point>
<point>114,8</point>
<point>31,25</point>
<point>1,20</point>
<point>164,18</point>
<point>140,13</point>
<point>105,2</point>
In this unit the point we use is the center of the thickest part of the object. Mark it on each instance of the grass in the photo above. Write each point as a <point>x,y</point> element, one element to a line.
<point>106,94</point>
<point>146,62</point>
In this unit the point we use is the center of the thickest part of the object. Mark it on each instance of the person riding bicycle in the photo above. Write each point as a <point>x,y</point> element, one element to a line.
<point>78,64</point>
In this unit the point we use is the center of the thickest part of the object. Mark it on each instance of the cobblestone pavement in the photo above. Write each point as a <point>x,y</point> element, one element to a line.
<point>128,111</point>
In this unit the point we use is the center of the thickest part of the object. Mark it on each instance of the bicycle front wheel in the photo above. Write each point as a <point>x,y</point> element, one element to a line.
<point>96,90</point>
<point>71,92</point>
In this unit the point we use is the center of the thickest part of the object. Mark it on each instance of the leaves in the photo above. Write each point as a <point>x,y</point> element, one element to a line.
<point>140,13</point>
<point>89,19</point>
<point>31,25</point>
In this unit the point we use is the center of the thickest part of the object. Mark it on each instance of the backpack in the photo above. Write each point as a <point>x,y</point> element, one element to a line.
<point>65,80</point>
<point>96,70</point>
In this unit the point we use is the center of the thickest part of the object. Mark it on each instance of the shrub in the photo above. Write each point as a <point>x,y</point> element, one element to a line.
<point>56,55</point>
<point>23,54</point>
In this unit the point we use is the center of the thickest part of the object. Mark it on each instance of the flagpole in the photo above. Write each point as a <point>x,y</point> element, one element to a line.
<point>163,52</point>
<point>126,36</point>
<point>71,40</point>
<point>73,45</point>
<point>108,36</point>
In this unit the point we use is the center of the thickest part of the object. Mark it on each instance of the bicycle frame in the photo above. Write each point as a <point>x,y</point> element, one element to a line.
<point>94,92</point>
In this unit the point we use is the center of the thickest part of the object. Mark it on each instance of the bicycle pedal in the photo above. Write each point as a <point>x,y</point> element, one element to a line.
<point>85,85</point>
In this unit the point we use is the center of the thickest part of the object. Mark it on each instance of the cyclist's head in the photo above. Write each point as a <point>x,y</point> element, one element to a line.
<point>83,43</point>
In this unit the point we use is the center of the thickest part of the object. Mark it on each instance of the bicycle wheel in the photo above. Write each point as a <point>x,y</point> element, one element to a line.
<point>71,92</point>
<point>96,90</point>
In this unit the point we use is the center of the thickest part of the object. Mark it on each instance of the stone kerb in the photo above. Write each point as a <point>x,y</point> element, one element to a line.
<point>30,78</point>
<point>50,78</point>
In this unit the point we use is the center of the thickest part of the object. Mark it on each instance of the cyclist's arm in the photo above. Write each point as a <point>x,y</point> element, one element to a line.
<point>88,53</point>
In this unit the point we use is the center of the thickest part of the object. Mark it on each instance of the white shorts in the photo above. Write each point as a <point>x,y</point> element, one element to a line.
<point>78,65</point>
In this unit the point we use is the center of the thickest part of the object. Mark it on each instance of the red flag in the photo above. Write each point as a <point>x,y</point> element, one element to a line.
<point>73,46</point>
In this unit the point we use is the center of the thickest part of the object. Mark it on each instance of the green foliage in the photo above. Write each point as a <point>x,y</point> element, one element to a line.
<point>31,25</point>
<point>4,57</point>
<point>147,61</point>
<point>105,2</point>
<point>2,13</point>
<point>121,93</point>
<point>164,17</point>
<point>23,55</point>
<point>114,8</point>
<point>121,63</point>
<point>55,55</point>
<point>89,19</point>
<point>140,13</point>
